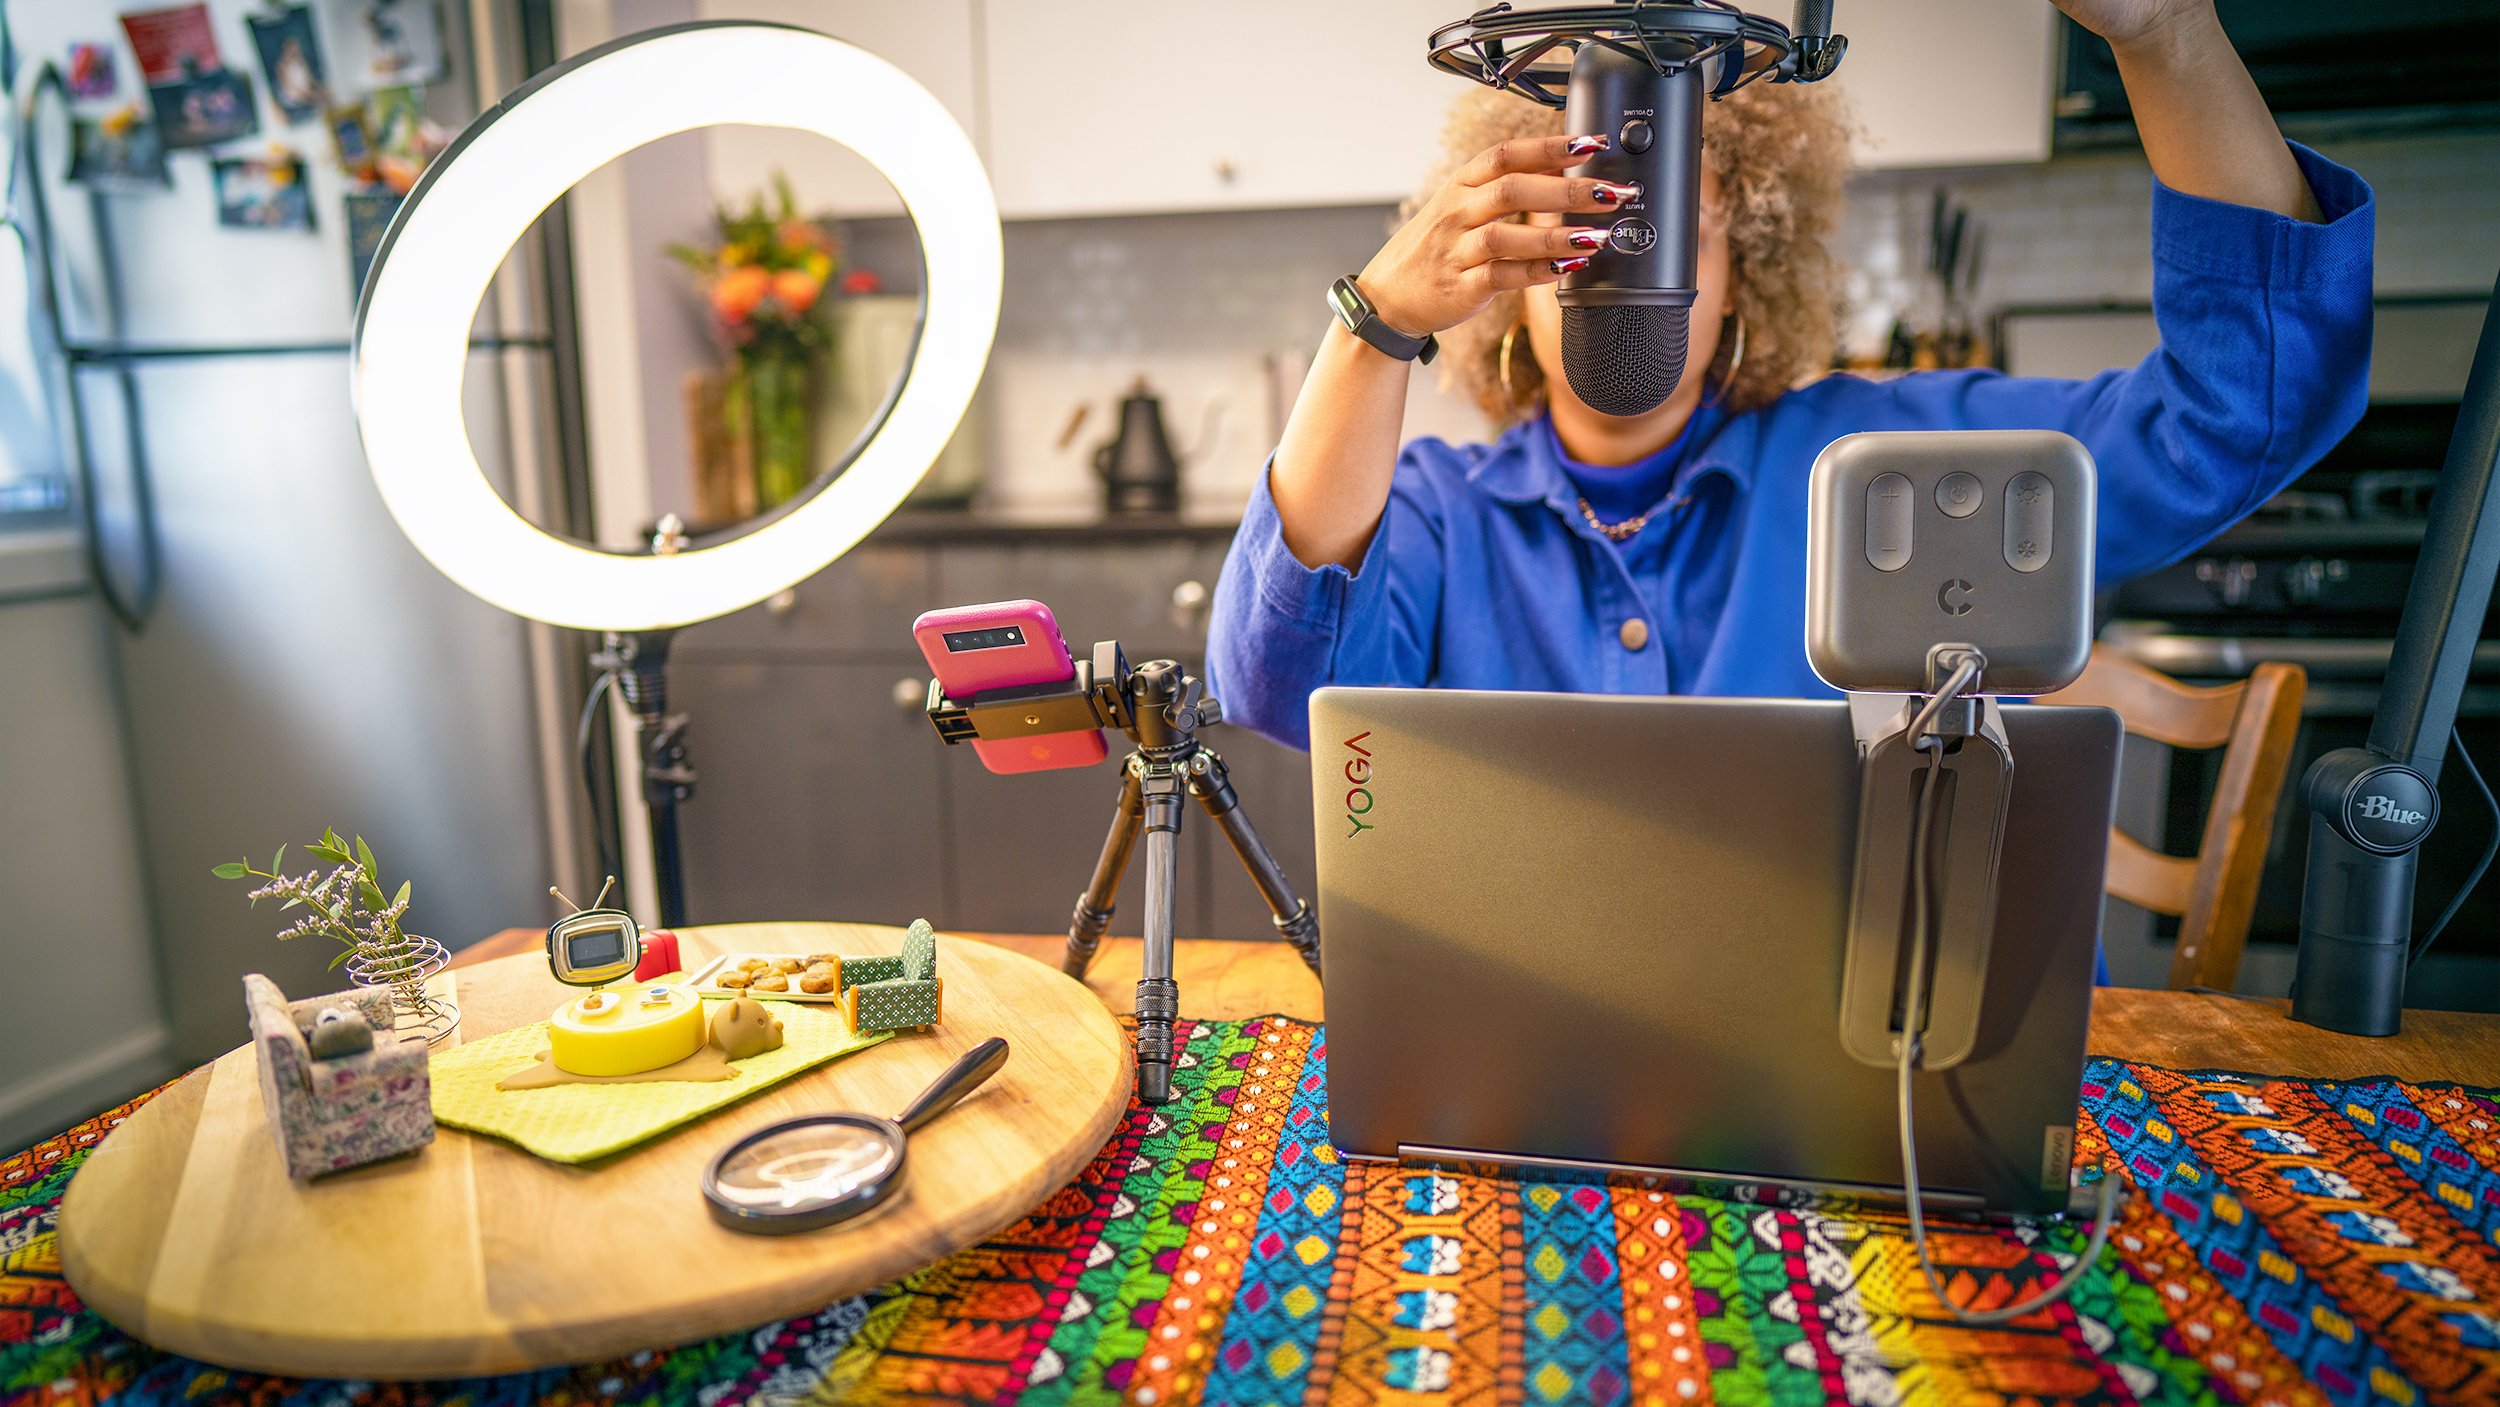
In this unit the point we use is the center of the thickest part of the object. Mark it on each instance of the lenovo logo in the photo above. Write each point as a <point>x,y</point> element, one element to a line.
<point>1358,797</point>
<point>2381,808</point>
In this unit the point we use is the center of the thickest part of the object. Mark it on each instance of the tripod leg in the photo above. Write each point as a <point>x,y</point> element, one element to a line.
<point>1093,907</point>
<point>1213,786</point>
<point>1158,996</point>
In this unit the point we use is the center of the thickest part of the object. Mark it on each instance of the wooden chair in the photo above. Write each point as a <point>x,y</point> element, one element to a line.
<point>2214,894</point>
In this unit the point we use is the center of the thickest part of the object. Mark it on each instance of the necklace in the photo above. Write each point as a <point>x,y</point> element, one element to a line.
<point>1629,528</point>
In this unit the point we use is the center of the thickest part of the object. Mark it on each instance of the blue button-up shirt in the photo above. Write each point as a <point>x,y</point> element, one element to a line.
<point>1483,573</point>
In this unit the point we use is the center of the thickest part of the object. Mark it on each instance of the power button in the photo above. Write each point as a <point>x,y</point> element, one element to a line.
<point>1636,136</point>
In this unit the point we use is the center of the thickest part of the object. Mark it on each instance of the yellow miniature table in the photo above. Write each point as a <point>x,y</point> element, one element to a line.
<point>473,1257</point>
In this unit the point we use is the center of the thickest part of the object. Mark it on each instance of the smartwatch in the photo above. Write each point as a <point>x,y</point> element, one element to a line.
<point>1355,311</point>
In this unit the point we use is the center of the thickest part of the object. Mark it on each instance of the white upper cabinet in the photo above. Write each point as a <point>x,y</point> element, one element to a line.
<point>932,40</point>
<point>1947,82</point>
<point>1132,106</point>
<point>1121,107</point>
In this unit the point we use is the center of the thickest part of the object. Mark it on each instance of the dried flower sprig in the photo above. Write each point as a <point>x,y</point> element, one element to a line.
<point>345,903</point>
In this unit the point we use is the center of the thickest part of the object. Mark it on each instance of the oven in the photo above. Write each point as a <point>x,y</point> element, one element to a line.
<point>2315,577</point>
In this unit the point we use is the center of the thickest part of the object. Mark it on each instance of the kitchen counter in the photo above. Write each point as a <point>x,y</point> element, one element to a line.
<point>1025,525</point>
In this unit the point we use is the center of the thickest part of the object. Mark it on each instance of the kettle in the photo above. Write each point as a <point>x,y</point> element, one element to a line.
<point>1140,473</point>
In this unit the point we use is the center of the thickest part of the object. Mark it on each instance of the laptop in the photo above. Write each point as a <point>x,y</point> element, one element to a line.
<point>1577,931</point>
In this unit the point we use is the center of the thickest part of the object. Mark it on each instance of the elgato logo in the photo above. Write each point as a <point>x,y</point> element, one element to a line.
<point>1358,798</point>
<point>1954,597</point>
<point>2382,808</point>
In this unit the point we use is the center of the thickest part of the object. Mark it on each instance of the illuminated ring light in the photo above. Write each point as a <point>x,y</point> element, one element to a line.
<point>479,197</point>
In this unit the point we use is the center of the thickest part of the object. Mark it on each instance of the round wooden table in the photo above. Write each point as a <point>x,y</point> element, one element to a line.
<point>473,1257</point>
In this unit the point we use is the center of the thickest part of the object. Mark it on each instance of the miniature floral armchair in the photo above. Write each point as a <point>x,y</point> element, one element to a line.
<point>343,1110</point>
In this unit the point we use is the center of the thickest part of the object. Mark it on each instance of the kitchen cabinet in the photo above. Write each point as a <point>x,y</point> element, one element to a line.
<point>819,794</point>
<point>1948,82</point>
<point>932,40</point>
<point>1129,107</point>
<point>825,795</point>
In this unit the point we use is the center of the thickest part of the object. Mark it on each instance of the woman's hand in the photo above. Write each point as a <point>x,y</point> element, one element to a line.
<point>1443,266</point>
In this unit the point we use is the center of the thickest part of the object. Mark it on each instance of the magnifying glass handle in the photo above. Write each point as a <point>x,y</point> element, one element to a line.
<point>960,1079</point>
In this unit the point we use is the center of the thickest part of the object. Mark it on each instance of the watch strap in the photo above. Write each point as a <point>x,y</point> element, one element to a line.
<point>1354,310</point>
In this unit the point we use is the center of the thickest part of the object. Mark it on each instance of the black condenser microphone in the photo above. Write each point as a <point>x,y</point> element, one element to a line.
<point>1624,316</point>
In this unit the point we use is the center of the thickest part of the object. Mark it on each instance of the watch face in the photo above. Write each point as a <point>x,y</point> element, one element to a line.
<point>1349,304</point>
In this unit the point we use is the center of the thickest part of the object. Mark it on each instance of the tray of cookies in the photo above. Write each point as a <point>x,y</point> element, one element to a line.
<point>815,977</point>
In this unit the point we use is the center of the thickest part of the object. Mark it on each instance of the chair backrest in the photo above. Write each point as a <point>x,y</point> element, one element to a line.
<point>2214,894</point>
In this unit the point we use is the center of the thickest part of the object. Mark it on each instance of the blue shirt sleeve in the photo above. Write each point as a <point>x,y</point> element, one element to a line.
<point>2264,364</point>
<point>1280,629</point>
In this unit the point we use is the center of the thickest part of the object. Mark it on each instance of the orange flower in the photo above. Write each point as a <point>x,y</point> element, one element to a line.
<point>799,234</point>
<point>738,291</point>
<point>797,290</point>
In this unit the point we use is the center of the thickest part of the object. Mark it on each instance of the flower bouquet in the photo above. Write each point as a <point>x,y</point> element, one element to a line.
<point>765,281</point>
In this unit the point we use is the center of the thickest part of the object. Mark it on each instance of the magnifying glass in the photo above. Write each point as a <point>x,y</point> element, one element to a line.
<point>818,1169</point>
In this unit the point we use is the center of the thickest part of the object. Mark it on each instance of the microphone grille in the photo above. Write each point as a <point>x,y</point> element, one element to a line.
<point>1623,358</point>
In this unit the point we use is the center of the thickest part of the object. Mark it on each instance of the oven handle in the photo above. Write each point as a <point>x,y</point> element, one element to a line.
<point>2233,656</point>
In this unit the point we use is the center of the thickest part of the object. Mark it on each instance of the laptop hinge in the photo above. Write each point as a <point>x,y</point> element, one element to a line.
<point>1727,1187</point>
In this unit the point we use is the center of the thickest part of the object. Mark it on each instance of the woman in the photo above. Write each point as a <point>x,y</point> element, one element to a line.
<point>1665,552</point>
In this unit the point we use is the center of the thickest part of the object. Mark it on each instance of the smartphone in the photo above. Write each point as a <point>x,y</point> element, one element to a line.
<point>972,649</point>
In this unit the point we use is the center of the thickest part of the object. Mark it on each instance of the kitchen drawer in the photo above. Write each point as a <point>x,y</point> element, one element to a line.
<point>819,794</point>
<point>1150,595</point>
<point>866,601</point>
<point>1023,847</point>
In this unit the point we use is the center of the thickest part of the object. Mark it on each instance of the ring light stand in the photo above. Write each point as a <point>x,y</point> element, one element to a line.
<point>449,239</point>
<point>2371,807</point>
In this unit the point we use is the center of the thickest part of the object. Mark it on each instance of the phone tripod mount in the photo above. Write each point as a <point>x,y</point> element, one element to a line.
<point>1160,707</point>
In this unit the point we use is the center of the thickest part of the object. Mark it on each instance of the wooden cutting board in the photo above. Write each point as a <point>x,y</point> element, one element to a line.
<point>472,1257</point>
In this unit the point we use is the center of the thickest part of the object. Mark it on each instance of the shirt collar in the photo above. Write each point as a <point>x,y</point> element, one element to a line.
<point>1523,466</point>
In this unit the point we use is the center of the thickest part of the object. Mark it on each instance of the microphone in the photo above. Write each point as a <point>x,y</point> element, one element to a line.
<point>1624,316</point>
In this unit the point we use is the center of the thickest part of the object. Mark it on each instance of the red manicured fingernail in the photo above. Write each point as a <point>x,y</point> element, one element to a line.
<point>1588,239</point>
<point>1608,194</point>
<point>1571,265</point>
<point>1583,146</point>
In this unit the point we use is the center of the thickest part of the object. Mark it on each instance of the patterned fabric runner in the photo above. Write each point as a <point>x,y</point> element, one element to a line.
<point>2289,1242</point>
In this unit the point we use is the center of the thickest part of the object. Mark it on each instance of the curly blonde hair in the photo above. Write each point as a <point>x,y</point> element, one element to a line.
<point>1781,153</point>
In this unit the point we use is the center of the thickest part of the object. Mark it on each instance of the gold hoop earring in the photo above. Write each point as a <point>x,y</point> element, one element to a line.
<point>1510,335</point>
<point>1735,361</point>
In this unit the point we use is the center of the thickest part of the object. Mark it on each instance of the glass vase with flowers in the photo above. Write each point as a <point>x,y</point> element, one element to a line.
<point>765,282</point>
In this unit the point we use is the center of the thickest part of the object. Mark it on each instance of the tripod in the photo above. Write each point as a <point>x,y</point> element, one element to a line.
<point>1161,707</point>
<point>1167,709</point>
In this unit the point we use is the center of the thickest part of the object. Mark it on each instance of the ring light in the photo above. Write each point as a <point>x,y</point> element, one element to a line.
<point>477,199</point>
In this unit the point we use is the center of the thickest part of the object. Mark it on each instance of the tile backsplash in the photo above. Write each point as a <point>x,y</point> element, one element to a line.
<point>1219,312</point>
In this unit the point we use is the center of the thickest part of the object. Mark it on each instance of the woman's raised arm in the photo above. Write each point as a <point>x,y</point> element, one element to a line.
<point>1330,477</point>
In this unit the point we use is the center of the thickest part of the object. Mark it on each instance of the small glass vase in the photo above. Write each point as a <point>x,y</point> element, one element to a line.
<point>781,419</point>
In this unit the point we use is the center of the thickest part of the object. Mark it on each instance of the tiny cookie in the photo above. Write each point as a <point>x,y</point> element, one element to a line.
<point>822,978</point>
<point>771,982</point>
<point>788,966</point>
<point>734,979</point>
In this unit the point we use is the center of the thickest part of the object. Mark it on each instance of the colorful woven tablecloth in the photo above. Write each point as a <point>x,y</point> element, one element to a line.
<point>2288,1242</point>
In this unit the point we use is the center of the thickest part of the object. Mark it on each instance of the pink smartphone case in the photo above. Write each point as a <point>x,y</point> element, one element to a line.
<point>1042,659</point>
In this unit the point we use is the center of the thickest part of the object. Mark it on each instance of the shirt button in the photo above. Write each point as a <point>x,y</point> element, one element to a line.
<point>1634,634</point>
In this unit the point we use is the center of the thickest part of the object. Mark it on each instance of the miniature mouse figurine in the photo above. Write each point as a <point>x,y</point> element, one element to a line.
<point>339,1031</point>
<point>743,1027</point>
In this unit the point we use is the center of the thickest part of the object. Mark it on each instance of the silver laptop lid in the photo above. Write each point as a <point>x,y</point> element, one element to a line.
<point>1609,930</point>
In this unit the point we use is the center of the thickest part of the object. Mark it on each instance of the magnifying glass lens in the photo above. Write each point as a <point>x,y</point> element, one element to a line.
<point>806,1167</point>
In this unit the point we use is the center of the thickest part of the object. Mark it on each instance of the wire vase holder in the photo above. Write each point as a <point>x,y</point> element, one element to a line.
<point>404,965</point>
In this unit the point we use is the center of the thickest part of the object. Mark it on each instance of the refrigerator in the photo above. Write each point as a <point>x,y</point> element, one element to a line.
<point>288,662</point>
